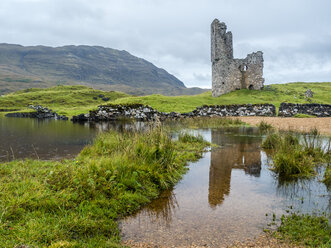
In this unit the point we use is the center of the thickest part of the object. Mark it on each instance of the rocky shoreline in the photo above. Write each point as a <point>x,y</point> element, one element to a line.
<point>40,113</point>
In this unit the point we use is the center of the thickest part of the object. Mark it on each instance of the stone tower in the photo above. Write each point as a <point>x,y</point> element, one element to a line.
<point>229,74</point>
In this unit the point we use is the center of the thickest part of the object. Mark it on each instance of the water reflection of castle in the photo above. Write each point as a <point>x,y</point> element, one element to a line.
<point>238,151</point>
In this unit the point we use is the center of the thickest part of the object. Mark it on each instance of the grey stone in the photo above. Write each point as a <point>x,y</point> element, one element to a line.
<point>229,74</point>
<point>309,93</point>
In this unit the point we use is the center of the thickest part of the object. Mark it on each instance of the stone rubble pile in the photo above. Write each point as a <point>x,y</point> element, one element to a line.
<point>236,110</point>
<point>291,109</point>
<point>41,113</point>
<point>309,93</point>
<point>147,113</point>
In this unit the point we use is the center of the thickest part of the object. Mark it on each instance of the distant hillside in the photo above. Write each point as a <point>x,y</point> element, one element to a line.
<point>98,67</point>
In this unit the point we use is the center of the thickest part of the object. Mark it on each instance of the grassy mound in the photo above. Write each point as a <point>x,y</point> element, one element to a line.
<point>77,203</point>
<point>274,94</point>
<point>65,100</point>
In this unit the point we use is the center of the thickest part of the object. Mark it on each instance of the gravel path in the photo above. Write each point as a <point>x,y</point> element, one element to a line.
<point>295,124</point>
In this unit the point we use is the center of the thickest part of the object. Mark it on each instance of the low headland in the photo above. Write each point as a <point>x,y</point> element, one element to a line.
<point>74,100</point>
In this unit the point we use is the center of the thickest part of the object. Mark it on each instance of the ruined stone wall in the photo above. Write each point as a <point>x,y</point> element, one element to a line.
<point>291,109</point>
<point>229,74</point>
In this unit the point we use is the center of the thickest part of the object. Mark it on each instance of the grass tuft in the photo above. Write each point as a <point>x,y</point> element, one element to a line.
<point>303,229</point>
<point>293,159</point>
<point>265,127</point>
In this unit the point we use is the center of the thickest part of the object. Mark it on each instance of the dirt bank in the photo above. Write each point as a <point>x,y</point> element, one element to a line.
<point>295,124</point>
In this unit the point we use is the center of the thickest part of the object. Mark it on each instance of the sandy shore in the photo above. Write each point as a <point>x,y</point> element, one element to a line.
<point>295,124</point>
<point>263,241</point>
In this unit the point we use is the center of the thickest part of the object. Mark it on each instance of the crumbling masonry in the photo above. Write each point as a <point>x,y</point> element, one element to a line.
<point>229,74</point>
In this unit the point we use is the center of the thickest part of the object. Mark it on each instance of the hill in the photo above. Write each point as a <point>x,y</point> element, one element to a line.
<point>94,66</point>
<point>72,100</point>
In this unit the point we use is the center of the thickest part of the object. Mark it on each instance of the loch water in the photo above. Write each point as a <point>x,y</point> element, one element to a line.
<point>22,138</point>
<point>228,195</point>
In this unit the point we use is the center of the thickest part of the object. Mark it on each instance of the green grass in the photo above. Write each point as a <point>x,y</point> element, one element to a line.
<point>327,176</point>
<point>292,159</point>
<point>302,229</point>
<point>65,100</point>
<point>73,100</point>
<point>274,94</point>
<point>303,116</point>
<point>265,127</point>
<point>77,203</point>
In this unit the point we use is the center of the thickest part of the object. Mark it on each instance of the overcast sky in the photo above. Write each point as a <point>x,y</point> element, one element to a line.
<point>294,35</point>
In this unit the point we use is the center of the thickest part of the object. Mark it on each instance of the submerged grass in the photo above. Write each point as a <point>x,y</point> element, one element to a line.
<point>294,159</point>
<point>76,203</point>
<point>303,229</point>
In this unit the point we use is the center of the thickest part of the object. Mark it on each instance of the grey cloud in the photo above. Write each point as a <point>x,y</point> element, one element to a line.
<point>294,35</point>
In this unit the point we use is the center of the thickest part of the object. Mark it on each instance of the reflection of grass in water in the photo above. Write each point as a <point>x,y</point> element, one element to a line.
<point>304,194</point>
<point>163,207</point>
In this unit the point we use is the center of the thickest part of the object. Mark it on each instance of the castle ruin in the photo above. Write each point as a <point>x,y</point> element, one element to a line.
<point>229,74</point>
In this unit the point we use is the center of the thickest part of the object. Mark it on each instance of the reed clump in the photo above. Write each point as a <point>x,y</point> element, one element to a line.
<point>265,127</point>
<point>292,158</point>
<point>76,203</point>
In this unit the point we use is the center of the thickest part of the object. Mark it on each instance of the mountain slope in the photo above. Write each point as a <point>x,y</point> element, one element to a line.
<point>102,68</point>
